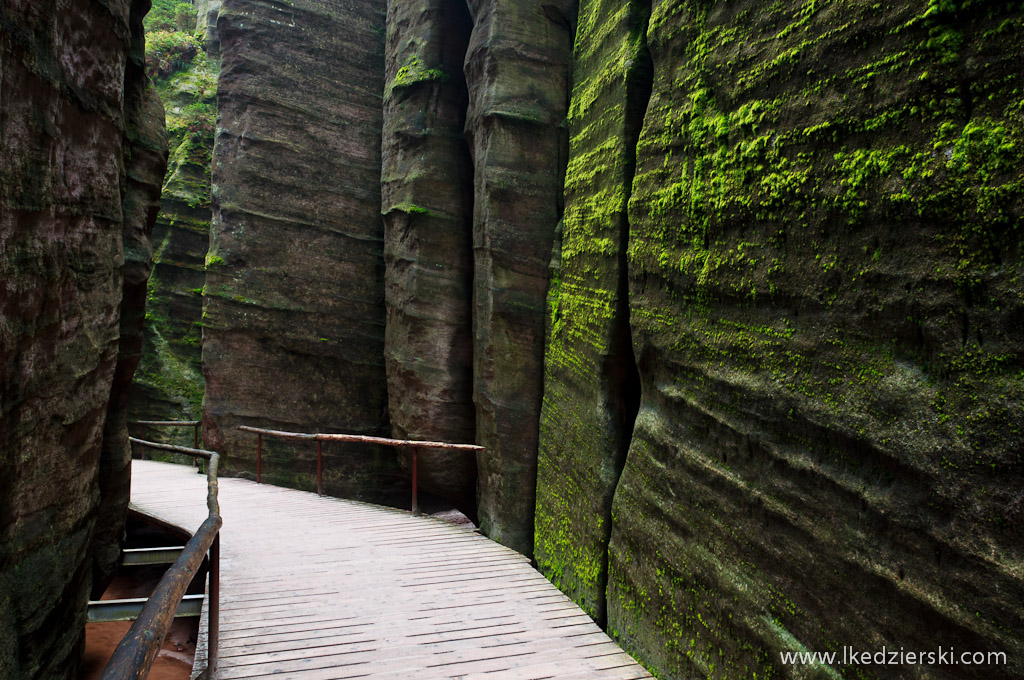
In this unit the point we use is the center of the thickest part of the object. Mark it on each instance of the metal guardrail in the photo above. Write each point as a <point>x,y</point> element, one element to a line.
<point>139,556</point>
<point>128,609</point>
<point>365,439</point>
<point>134,655</point>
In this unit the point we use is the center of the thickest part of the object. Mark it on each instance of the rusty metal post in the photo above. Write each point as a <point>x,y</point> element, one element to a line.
<point>214,612</point>
<point>259,458</point>
<point>415,462</point>
<point>319,468</point>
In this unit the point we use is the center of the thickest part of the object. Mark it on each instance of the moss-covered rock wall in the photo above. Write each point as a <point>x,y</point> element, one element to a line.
<point>591,388</point>
<point>824,298</point>
<point>843,242</point>
<point>169,382</point>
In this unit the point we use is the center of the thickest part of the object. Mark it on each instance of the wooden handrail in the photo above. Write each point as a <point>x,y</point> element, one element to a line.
<point>135,654</point>
<point>194,424</point>
<point>366,439</point>
<point>359,438</point>
<point>167,423</point>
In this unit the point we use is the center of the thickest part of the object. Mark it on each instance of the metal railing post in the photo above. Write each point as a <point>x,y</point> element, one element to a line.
<point>195,444</point>
<point>259,458</point>
<point>415,462</point>
<point>319,468</point>
<point>214,613</point>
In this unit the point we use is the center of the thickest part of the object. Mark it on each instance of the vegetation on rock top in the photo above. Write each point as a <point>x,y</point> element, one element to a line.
<point>168,382</point>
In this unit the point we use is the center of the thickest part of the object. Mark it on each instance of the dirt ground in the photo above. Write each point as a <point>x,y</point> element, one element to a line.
<point>174,662</point>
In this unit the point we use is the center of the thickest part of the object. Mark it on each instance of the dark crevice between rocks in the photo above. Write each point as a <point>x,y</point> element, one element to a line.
<point>463,31</point>
<point>621,367</point>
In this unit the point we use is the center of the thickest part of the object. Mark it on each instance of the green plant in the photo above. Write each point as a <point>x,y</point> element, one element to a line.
<point>184,16</point>
<point>168,52</point>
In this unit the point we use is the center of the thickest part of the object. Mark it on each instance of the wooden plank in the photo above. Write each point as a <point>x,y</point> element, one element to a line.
<point>315,588</point>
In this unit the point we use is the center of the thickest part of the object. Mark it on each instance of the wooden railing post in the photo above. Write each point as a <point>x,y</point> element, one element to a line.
<point>415,464</point>
<point>319,469</point>
<point>355,438</point>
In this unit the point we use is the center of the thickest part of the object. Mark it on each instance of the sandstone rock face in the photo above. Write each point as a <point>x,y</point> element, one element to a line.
<point>206,23</point>
<point>591,388</point>
<point>79,160</point>
<point>517,70</point>
<point>145,165</point>
<point>825,306</point>
<point>427,206</point>
<point>168,384</point>
<point>293,327</point>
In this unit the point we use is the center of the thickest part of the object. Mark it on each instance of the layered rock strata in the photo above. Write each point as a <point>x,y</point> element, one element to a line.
<point>169,383</point>
<point>293,320</point>
<point>146,152</point>
<point>518,71</point>
<point>206,23</point>
<point>591,388</point>
<point>80,161</point>
<point>427,206</point>
<point>825,307</point>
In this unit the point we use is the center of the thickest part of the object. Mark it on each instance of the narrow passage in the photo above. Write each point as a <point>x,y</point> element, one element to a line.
<point>318,588</point>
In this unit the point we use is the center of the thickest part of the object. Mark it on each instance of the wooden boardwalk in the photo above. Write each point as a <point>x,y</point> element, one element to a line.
<point>321,589</point>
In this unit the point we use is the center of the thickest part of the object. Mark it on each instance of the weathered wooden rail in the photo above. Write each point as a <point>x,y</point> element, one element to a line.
<point>415,446</point>
<point>134,655</point>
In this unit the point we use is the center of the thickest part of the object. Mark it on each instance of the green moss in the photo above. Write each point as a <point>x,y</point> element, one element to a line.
<point>414,72</point>
<point>410,208</point>
<point>186,80</point>
<point>824,258</point>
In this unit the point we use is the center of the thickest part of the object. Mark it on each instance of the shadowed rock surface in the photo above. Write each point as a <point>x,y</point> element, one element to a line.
<point>591,389</point>
<point>293,321</point>
<point>427,198</point>
<point>145,164</point>
<point>81,161</point>
<point>517,70</point>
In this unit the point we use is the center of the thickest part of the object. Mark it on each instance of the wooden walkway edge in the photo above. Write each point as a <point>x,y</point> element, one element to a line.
<point>317,588</point>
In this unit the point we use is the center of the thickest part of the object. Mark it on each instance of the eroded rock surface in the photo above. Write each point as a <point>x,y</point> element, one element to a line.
<point>146,151</point>
<point>168,384</point>
<point>518,71</point>
<point>427,206</point>
<point>80,159</point>
<point>824,263</point>
<point>591,388</point>
<point>293,322</point>
<point>206,23</point>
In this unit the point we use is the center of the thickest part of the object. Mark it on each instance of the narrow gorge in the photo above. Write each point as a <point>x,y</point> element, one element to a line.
<point>729,291</point>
